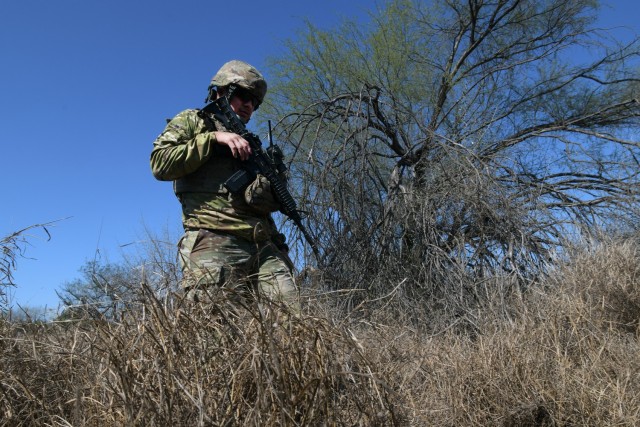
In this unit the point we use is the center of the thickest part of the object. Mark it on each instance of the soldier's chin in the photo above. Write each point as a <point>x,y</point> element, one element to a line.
<point>244,120</point>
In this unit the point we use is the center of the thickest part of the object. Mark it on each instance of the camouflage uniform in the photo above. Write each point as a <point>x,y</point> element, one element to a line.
<point>227,241</point>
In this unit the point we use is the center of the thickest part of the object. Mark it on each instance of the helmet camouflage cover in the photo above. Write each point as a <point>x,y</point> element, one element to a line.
<point>242,74</point>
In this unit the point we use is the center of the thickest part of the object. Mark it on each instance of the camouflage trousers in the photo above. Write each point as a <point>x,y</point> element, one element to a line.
<point>212,260</point>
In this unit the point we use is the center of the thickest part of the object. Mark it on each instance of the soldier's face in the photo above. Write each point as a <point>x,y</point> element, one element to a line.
<point>243,104</point>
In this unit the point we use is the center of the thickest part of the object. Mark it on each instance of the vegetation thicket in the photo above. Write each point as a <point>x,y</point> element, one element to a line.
<point>447,141</point>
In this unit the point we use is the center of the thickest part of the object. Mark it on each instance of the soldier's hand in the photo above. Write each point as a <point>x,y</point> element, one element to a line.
<point>239,146</point>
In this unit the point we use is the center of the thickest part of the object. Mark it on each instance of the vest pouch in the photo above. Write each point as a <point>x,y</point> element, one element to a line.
<point>210,177</point>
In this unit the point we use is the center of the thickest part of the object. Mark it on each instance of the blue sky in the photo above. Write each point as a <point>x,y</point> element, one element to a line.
<point>85,87</point>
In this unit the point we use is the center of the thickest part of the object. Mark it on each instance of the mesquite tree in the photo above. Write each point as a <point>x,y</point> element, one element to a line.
<point>450,138</point>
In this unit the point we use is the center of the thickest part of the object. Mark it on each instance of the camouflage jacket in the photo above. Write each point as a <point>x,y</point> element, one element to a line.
<point>187,150</point>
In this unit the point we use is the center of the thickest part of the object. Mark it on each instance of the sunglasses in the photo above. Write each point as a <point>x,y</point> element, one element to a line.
<point>246,96</point>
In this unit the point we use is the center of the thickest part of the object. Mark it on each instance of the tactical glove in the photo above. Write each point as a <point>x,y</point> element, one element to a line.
<point>259,196</point>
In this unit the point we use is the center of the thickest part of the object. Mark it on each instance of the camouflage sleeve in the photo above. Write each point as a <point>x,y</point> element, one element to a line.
<point>183,146</point>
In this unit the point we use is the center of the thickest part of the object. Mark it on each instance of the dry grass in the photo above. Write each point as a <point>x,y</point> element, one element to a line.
<point>563,354</point>
<point>189,364</point>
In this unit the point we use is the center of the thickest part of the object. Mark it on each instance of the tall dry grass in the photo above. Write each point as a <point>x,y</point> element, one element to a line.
<point>565,353</point>
<point>178,363</point>
<point>12,247</point>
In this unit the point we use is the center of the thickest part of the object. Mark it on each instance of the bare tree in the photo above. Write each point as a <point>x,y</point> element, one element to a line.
<point>106,289</point>
<point>454,138</point>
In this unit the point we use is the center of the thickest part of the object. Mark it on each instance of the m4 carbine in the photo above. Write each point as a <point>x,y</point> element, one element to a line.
<point>259,162</point>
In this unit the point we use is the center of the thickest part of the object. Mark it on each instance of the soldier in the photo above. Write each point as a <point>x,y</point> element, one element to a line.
<point>230,239</point>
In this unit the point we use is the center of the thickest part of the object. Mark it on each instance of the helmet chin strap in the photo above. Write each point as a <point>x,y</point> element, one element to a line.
<point>213,93</point>
<point>230,89</point>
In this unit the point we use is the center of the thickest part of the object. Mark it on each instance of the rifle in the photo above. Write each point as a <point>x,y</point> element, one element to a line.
<point>258,163</point>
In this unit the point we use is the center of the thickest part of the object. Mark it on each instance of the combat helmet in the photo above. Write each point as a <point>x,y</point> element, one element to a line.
<point>242,74</point>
